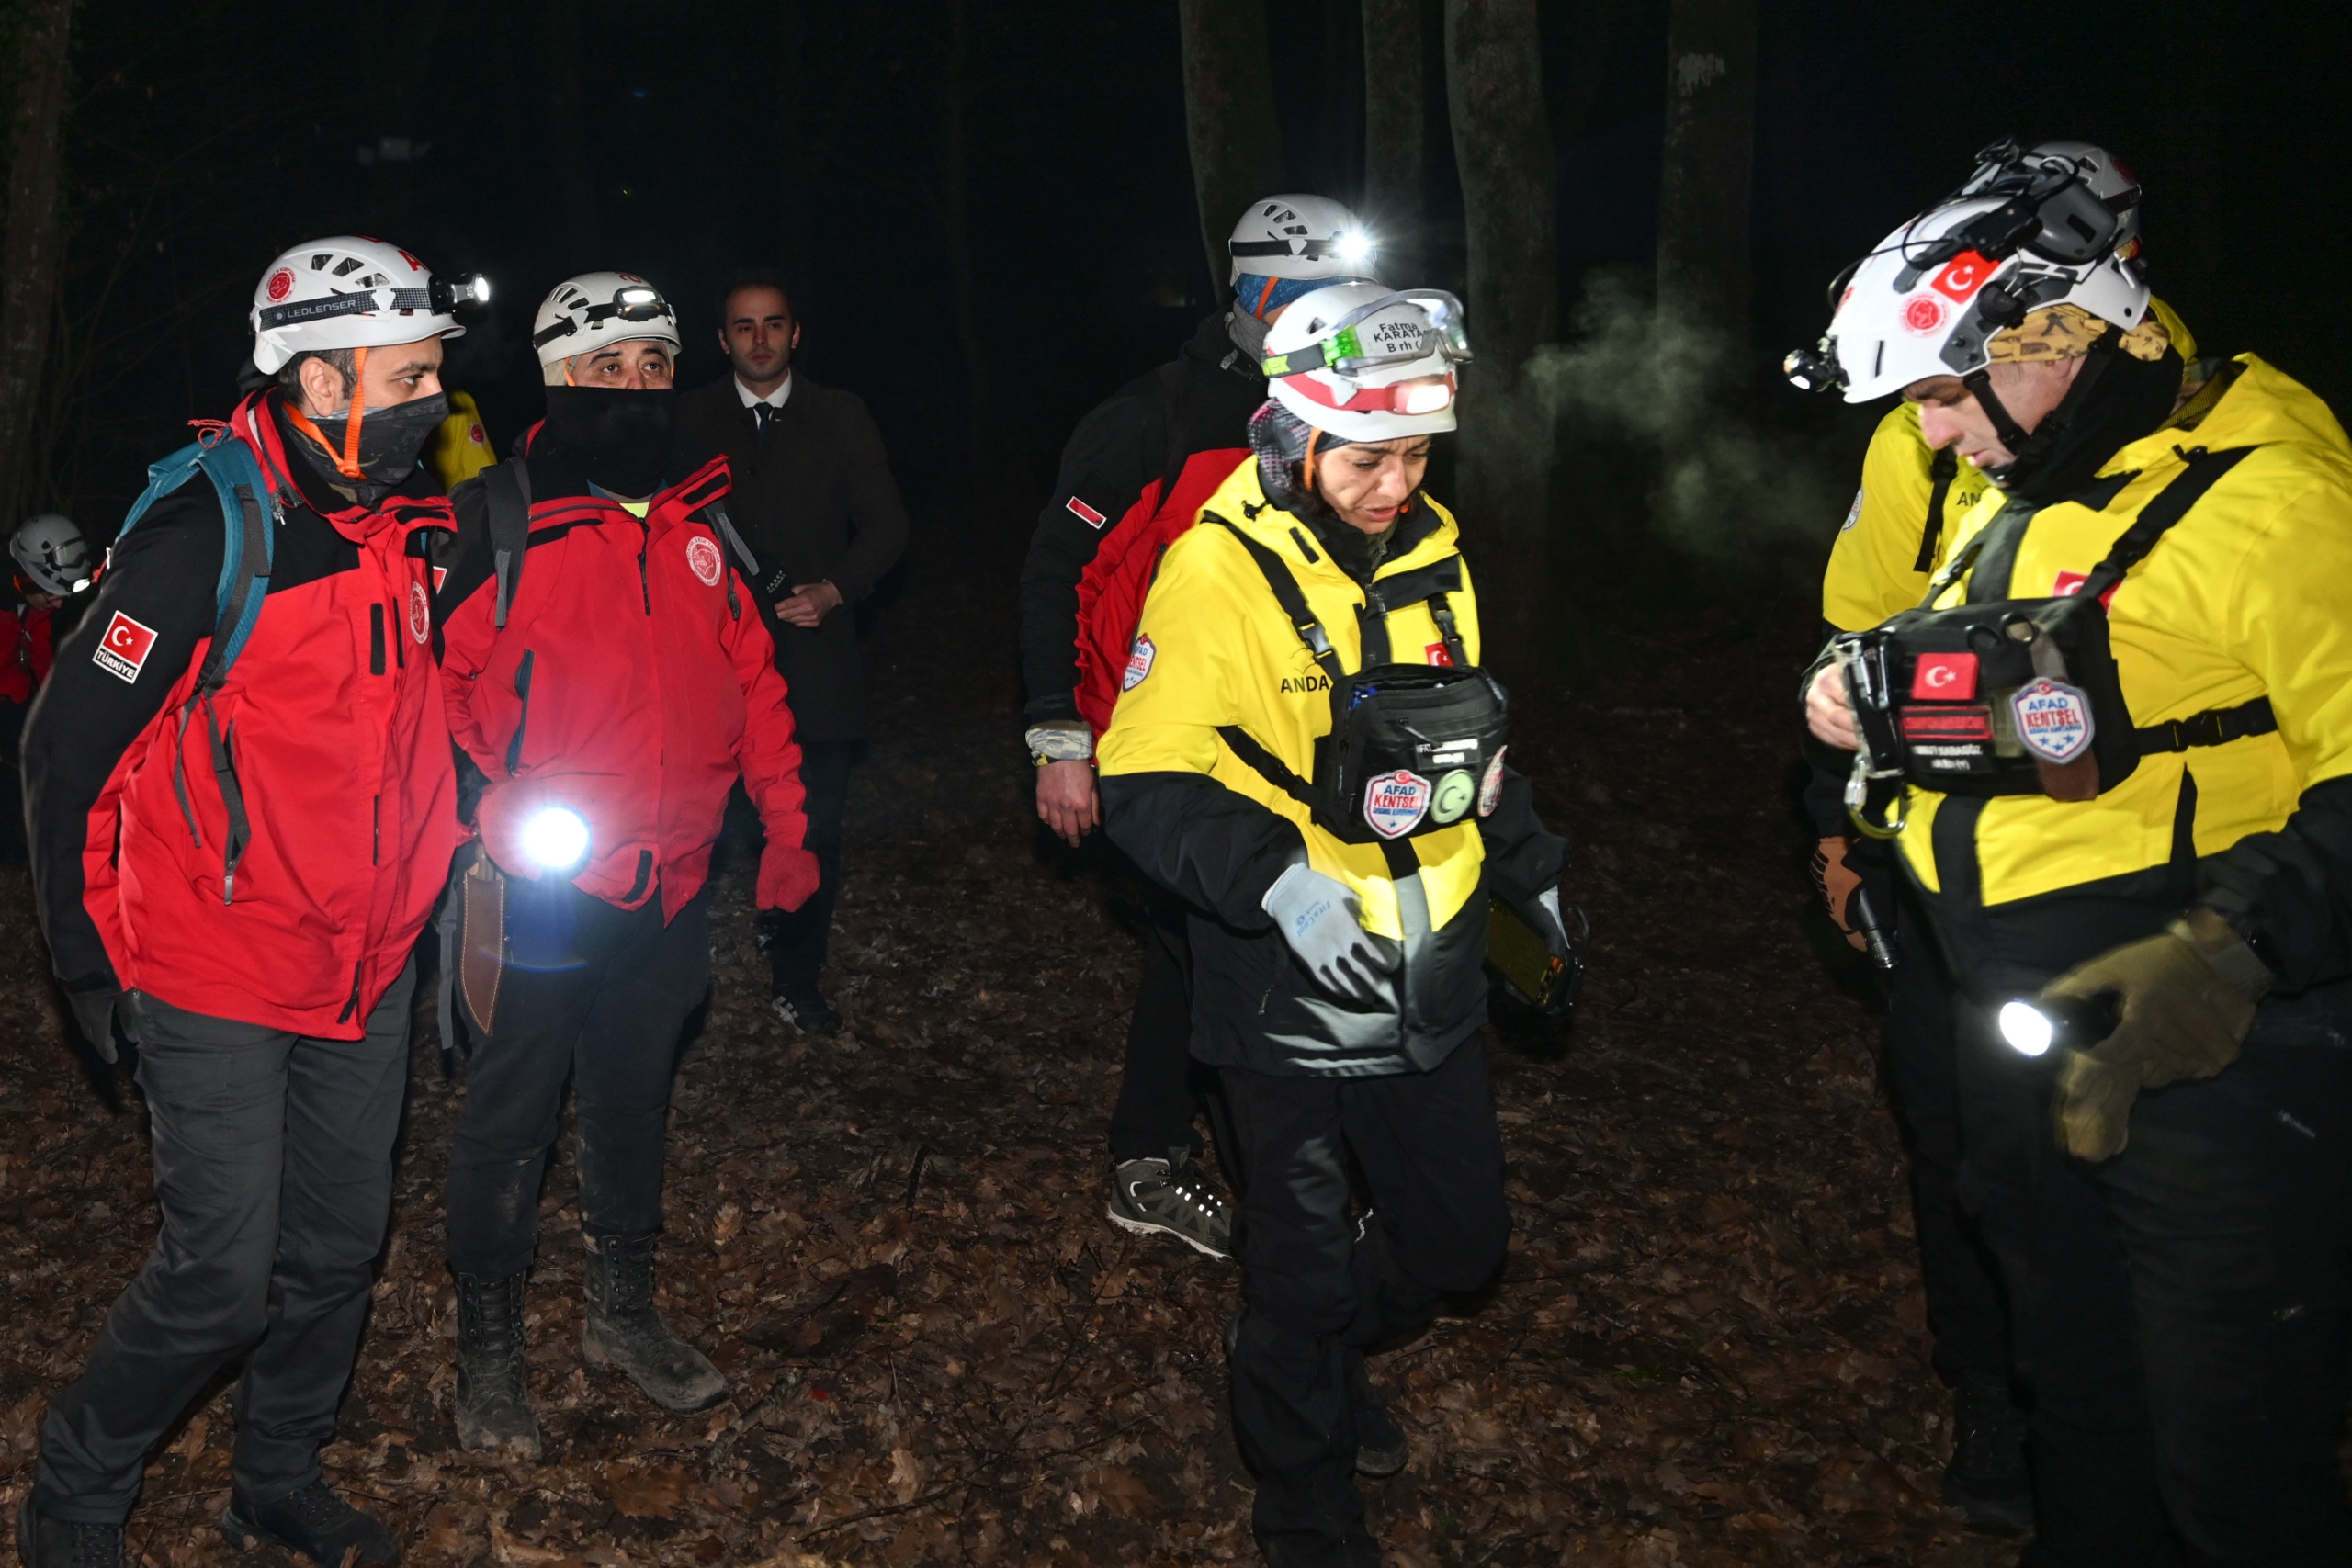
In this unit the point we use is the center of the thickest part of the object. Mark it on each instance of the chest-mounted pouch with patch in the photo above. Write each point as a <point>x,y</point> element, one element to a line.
<point>1413,748</point>
<point>2019,697</point>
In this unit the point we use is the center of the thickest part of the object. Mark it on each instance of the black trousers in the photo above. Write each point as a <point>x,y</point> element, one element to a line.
<point>1968,1311</point>
<point>1161,1086</point>
<point>1319,1295</point>
<point>2180,1310</point>
<point>273,1159</point>
<point>796,939</point>
<point>595,997</point>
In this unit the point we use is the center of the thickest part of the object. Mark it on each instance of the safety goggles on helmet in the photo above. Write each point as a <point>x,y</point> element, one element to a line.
<point>1376,334</point>
<point>630,302</point>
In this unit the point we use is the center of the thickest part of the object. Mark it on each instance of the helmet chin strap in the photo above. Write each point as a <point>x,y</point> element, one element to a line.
<point>346,463</point>
<point>2023,445</point>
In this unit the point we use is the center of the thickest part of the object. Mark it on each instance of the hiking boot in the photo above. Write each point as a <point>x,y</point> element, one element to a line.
<point>493,1395</point>
<point>1167,1195</point>
<point>1987,1480</point>
<point>805,1009</point>
<point>626,1329</point>
<point>315,1522</point>
<point>44,1542</point>
<point>1382,1448</point>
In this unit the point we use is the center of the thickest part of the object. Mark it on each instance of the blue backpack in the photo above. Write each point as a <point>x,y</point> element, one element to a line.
<point>247,547</point>
<point>247,550</point>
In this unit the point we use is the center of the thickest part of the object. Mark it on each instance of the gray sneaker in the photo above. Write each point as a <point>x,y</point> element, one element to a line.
<point>1149,1195</point>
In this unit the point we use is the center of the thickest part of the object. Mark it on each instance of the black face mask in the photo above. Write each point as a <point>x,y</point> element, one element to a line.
<point>391,440</point>
<point>2115,400</point>
<point>619,439</point>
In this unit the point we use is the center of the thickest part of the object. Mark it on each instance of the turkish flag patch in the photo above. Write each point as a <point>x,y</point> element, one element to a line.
<point>124,648</point>
<point>2070,584</point>
<point>1437,653</point>
<point>1963,276</point>
<point>1086,514</point>
<point>1944,677</point>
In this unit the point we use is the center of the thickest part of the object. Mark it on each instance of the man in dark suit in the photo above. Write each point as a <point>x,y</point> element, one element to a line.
<point>815,502</point>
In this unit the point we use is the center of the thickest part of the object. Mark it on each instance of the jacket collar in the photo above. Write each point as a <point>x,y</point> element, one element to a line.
<point>1430,532</point>
<point>256,423</point>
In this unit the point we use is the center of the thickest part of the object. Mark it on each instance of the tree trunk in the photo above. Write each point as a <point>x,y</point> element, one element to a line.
<point>1395,135</point>
<point>31,252</point>
<point>955,219</point>
<point>1502,146</point>
<point>567,123</point>
<point>1703,276</point>
<point>1229,121</point>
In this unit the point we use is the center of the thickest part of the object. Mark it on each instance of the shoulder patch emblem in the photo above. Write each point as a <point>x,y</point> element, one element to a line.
<point>1853,514</point>
<point>1086,514</point>
<point>2053,719</point>
<point>420,613</point>
<point>702,555</point>
<point>1139,660</point>
<point>124,649</point>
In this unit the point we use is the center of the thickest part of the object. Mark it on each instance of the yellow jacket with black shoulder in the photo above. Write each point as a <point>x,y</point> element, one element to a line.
<point>2249,596</point>
<point>1215,649</point>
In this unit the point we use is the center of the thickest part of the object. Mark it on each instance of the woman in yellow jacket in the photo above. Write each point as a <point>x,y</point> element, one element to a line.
<point>2168,835</point>
<point>1339,892</point>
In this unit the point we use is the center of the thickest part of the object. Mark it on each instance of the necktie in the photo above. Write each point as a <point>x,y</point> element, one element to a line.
<point>763,414</point>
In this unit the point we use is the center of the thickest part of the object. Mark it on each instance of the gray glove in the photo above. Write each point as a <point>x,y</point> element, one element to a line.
<point>1317,916</point>
<point>93,1011</point>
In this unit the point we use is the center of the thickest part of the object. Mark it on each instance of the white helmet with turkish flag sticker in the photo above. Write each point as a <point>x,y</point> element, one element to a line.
<point>1368,364</point>
<point>1929,299</point>
<point>349,291</point>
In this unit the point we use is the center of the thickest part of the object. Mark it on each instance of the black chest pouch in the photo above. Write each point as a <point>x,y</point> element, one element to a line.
<point>2017,696</point>
<point>1413,748</point>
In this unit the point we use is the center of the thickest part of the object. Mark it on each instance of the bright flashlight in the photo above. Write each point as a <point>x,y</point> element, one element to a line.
<point>1353,246</point>
<point>1425,396</point>
<point>636,297</point>
<point>557,838</point>
<point>2026,1028</point>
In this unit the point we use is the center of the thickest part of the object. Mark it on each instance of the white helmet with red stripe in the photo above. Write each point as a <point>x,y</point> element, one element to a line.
<point>349,291</point>
<point>1934,293</point>
<point>1365,363</point>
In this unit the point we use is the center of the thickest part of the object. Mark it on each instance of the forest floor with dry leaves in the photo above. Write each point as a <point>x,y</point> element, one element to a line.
<point>1707,1347</point>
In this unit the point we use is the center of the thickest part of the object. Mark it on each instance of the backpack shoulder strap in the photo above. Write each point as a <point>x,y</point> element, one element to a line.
<point>248,552</point>
<point>1288,594</point>
<point>724,526</point>
<point>2204,469</point>
<point>506,486</point>
<point>1432,585</point>
<point>1942,468</point>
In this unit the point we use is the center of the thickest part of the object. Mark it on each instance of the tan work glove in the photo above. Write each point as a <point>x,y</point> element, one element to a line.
<point>1836,882</point>
<point>2186,1001</point>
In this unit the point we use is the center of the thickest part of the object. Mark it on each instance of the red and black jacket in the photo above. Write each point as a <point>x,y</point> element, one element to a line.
<point>25,652</point>
<point>1133,477</point>
<point>329,720</point>
<point>633,679</point>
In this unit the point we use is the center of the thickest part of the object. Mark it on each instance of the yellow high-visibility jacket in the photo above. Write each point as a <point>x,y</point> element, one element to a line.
<point>1215,649</point>
<point>460,447</point>
<point>2250,595</point>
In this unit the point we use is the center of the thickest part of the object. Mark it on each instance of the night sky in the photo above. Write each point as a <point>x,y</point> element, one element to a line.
<point>206,137</point>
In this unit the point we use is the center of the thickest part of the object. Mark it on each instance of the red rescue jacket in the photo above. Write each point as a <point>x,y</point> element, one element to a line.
<point>23,651</point>
<point>331,721</point>
<point>628,683</point>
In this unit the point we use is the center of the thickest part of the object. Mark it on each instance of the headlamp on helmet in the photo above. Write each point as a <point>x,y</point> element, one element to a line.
<point>587,312</point>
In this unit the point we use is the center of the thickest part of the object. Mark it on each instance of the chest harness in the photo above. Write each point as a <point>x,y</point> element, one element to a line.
<point>1413,748</point>
<point>2019,697</point>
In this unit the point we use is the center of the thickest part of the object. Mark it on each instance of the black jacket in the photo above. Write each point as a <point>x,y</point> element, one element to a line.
<point>815,501</point>
<point>1199,401</point>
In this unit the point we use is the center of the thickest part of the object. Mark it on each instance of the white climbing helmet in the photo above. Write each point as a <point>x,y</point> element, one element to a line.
<point>2002,169</point>
<point>1933,294</point>
<point>597,309</point>
<point>1368,364</point>
<point>1299,236</point>
<point>349,291</point>
<point>52,553</point>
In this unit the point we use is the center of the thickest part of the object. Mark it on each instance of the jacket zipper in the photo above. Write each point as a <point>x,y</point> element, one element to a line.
<point>351,1005</point>
<point>522,690</point>
<point>376,844</point>
<point>644,586</point>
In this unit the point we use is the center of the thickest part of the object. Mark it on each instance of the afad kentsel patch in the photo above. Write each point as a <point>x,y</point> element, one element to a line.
<point>1139,660</point>
<point>1394,804</point>
<point>2053,719</point>
<point>123,650</point>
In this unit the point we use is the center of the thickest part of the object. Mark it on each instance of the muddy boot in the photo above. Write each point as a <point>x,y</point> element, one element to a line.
<point>626,1331</point>
<point>494,1399</point>
<point>1382,1448</point>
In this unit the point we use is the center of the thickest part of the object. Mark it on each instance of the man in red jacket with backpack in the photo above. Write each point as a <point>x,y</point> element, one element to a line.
<point>241,804</point>
<point>1133,477</point>
<point>609,678</point>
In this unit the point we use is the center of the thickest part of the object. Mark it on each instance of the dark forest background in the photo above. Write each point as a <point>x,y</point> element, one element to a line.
<point>989,209</point>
